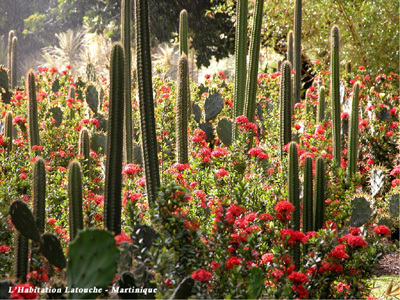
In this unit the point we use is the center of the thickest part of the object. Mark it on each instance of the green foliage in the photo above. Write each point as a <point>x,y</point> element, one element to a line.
<point>113,176</point>
<point>92,262</point>
<point>147,120</point>
<point>75,199</point>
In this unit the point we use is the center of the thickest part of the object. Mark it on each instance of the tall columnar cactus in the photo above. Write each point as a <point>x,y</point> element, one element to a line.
<point>39,193</point>
<point>251,83</point>
<point>240,60</point>
<point>321,105</point>
<point>147,119</point>
<point>182,103</point>
<point>21,250</point>
<point>297,50</point>
<point>289,53</point>
<point>286,107</point>
<point>335,93</point>
<point>183,33</point>
<point>8,130</point>
<point>71,95</point>
<point>348,67</point>
<point>11,34</point>
<point>294,195</point>
<point>75,199</point>
<point>319,194</point>
<point>14,60</point>
<point>114,151</point>
<point>353,137</point>
<point>126,42</point>
<point>84,149</point>
<point>308,205</point>
<point>33,124</point>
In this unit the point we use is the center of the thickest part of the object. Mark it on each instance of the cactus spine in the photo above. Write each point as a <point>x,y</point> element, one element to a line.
<point>84,149</point>
<point>182,111</point>
<point>294,195</point>
<point>240,60</point>
<point>8,129</point>
<point>113,176</point>
<point>321,105</point>
<point>335,93</point>
<point>147,119</point>
<point>75,199</point>
<point>289,54</point>
<point>353,138</point>
<point>14,55</point>
<point>286,107</point>
<point>39,193</point>
<point>319,194</point>
<point>251,84</point>
<point>308,221</point>
<point>126,42</point>
<point>297,51</point>
<point>33,125</point>
<point>183,33</point>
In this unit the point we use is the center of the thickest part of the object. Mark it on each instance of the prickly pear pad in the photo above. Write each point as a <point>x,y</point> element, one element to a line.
<point>92,262</point>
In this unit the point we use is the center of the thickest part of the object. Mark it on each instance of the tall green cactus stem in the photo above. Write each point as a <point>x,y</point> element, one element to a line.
<point>39,193</point>
<point>251,83</point>
<point>33,124</point>
<point>335,93</point>
<point>294,195</point>
<point>286,107</point>
<point>289,54</point>
<point>14,55</point>
<point>84,149</point>
<point>11,34</point>
<point>71,94</point>
<point>353,137</point>
<point>321,105</point>
<point>147,119</point>
<point>75,199</point>
<point>182,111</point>
<point>113,176</point>
<point>319,194</point>
<point>240,60</point>
<point>8,130</point>
<point>308,205</point>
<point>297,50</point>
<point>21,250</point>
<point>126,42</point>
<point>348,67</point>
<point>183,33</point>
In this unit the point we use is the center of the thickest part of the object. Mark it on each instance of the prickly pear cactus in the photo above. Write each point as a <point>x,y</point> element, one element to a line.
<point>213,106</point>
<point>98,141</point>
<point>196,112</point>
<point>50,247</point>
<point>23,220</point>
<point>361,211</point>
<point>57,114</point>
<point>184,289</point>
<point>208,129</point>
<point>125,257</point>
<point>394,205</point>
<point>92,97</point>
<point>55,87</point>
<point>92,261</point>
<point>377,179</point>
<point>224,131</point>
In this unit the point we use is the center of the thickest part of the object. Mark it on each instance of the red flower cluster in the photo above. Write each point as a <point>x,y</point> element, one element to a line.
<point>23,291</point>
<point>298,278</point>
<point>122,238</point>
<point>4,249</point>
<point>131,169</point>
<point>267,258</point>
<point>232,261</point>
<point>257,152</point>
<point>221,172</point>
<point>354,241</point>
<point>283,210</point>
<point>382,230</point>
<point>339,252</point>
<point>294,236</point>
<point>201,275</point>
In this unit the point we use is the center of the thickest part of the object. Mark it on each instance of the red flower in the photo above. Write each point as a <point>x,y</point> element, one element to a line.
<point>382,230</point>
<point>339,252</point>
<point>283,210</point>
<point>298,277</point>
<point>131,169</point>
<point>294,236</point>
<point>267,258</point>
<point>232,261</point>
<point>241,120</point>
<point>23,291</point>
<point>201,275</point>
<point>221,172</point>
<point>355,231</point>
<point>122,238</point>
<point>355,241</point>
<point>4,249</point>
<point>51,221</point>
